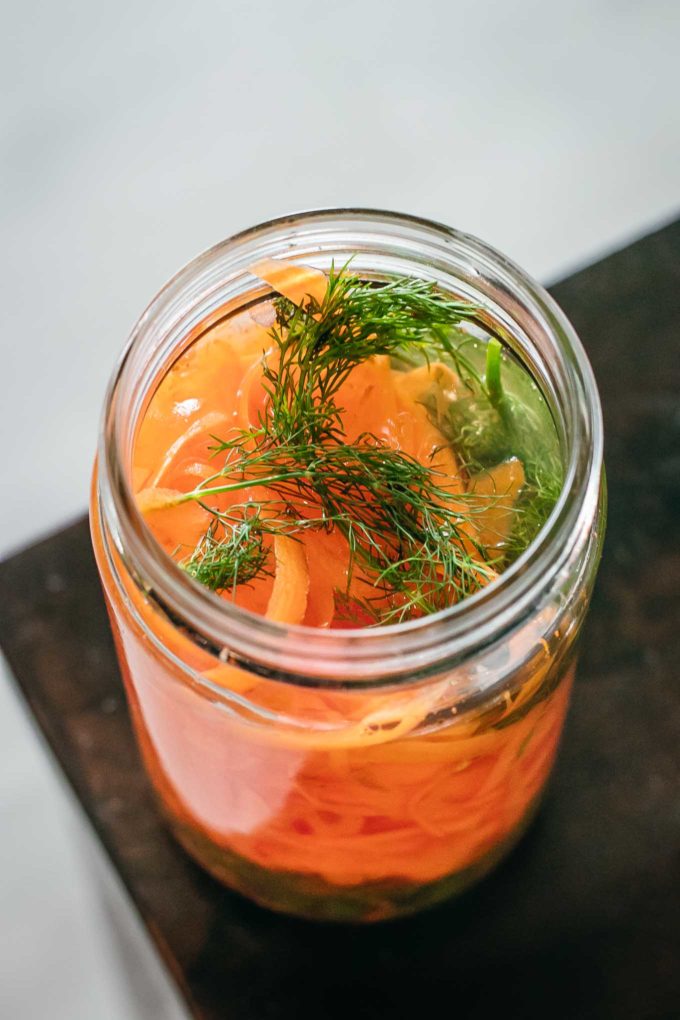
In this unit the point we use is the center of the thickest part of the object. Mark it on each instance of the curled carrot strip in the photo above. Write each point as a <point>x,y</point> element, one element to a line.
<point>437,378</point>
<point>500,486</point>
<point>297,283</point>
<point>210,421</point>
<point>251,385</point>
<point>288,600</point>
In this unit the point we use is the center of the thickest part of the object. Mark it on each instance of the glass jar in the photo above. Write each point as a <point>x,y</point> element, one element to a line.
<point>351,774</point>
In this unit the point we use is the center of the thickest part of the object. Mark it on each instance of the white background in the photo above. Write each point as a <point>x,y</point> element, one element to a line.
<point>134,134</point>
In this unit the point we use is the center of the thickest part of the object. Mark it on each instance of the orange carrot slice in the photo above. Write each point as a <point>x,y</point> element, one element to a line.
<point>231,678</point>
<point>288,600</point>
<point>204,425</point>
<point>251,395</point>
<point>297,283</point>
<point>435,379</point>
<point>502,485</point>
<point>176,526</point>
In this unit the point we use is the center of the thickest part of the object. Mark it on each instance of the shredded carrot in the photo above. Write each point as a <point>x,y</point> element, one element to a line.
<point>209,423</point>
<point>435,378</point>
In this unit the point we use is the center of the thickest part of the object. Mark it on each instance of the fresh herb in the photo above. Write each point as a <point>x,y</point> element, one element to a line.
<point>318,347</point>
<point>487,425</point>
<point>414,541</point>
<point>400,524</point>
<point>237,556</point>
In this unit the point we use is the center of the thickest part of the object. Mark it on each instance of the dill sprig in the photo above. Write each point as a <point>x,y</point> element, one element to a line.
<point>413,540</point>
<point>400,522</point>
<point>320,344</point>
<point>237,555</point>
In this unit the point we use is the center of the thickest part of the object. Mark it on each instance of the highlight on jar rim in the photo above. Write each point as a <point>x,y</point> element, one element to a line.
<point>347,511</point>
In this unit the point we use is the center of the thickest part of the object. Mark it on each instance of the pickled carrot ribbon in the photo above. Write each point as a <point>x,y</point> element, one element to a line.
<point>500,486</point>
<point>367,799</point>
<point>206,425</point>
<point>296,282</point>
<point>288,600</point>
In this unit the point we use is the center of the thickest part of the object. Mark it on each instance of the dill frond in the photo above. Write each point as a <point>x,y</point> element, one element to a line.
<point>237,557</point>
<point>405,531</point>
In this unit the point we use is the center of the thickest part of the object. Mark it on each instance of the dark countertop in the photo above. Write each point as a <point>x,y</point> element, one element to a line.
<point>583,920</point>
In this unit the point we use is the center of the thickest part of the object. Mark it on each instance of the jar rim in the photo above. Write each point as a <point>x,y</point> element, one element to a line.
<point>394,653</point>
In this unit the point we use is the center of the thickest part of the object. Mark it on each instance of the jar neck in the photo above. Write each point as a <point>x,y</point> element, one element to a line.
<point>381,245</point>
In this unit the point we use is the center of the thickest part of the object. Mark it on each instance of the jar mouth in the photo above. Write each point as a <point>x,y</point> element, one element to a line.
<point>388,242</point>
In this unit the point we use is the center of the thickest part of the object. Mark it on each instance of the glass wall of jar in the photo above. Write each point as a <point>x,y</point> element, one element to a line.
<point>351,774</point>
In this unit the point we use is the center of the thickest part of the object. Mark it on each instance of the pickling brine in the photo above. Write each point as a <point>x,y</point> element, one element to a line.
<point>338,460</point>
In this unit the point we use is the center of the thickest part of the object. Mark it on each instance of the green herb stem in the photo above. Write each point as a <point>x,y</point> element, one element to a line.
<point>492,376</point>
